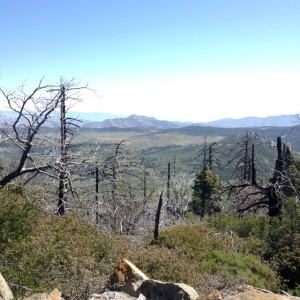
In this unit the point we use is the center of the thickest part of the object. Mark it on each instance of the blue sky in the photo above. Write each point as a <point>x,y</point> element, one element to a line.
<point>178,60</point>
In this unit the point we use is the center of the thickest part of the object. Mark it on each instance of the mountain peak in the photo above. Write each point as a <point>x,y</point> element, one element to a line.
<point>134,116</point>
<point>136,121</point>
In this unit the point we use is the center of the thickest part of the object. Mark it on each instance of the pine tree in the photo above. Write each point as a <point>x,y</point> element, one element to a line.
<point>206,184</point>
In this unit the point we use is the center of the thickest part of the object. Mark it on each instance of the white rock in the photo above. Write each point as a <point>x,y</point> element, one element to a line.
<point>5,292</point>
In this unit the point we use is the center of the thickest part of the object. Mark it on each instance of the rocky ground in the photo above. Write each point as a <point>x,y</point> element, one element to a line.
<point>127,282</point>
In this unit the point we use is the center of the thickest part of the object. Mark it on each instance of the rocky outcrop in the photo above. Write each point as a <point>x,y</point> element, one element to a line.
<point>5,292</point>
<point>128,283</point>
<point>129,279</point>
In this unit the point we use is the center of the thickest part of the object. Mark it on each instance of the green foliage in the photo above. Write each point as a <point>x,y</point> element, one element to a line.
<point>40,252</point>
<point>292,187</point>
<point>17,217</point>
<point>295,291</point>
<point>208,253</point>
<point>276,240</point>
<point>165,264</point>
<point>284,243</point>
<point>205,186</point>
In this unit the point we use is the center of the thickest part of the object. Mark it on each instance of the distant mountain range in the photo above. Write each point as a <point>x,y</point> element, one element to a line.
<point>283,120</point>
<point>106,120</point>
<point>135,121</point>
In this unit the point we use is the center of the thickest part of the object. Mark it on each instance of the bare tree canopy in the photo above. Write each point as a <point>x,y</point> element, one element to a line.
<point>252,193</point>
<point>31,111</point>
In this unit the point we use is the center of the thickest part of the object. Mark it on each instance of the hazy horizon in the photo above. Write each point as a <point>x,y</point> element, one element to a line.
<point>107,115</point>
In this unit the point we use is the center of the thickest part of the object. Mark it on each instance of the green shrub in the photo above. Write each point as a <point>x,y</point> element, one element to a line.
<point>210,252</point>
<point>295,291</point>
<point>40,252</point>
<point>17,217</point>
<point>276,240</point>
<point>164,264</point>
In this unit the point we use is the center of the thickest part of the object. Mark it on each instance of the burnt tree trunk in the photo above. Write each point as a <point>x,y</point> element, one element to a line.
<point>63,174</point>
<point>97,194</point>
<point>168,182</point>
<point>157,217</point>
<point>253,169</point>
<point>246,163</point>
<point>210,157</point>
<point>274,193</point>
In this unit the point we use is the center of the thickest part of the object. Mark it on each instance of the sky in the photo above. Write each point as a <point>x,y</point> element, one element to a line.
<point>177,60</point>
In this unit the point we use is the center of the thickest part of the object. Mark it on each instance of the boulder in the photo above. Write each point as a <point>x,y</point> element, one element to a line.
<point>5,292</point>
<point>158,290</point>
<point>127,278</point>
<point>54,295</point>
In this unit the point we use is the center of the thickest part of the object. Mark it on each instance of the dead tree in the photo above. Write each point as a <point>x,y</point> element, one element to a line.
<point>209,155</point>
<point>64,147</point>
<point>255,195</point>
<point>242,158</point>
<point>68,131</point>
<point>275,195</point>
<point>181,197</point>
<point>97,179</point>
<point>31,111</point>
<point>168,182</point>
<point>125,191</point>
<point>115,172</point>
<point>157,216</point>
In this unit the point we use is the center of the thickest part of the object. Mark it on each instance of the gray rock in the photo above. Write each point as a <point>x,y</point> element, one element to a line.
<point>5,292</point>
<point>113,295</point>
<point>157,290</point>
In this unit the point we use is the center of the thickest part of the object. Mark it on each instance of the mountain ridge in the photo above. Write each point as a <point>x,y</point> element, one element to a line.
<point>136,121</point>
<point>106,120</point>
<point>281,120</point>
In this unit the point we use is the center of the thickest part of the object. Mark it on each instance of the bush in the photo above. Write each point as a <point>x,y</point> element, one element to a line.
<point>40,252</point>
<point>208,252</point>
<point>17,217</point>
<point>276,240</point>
